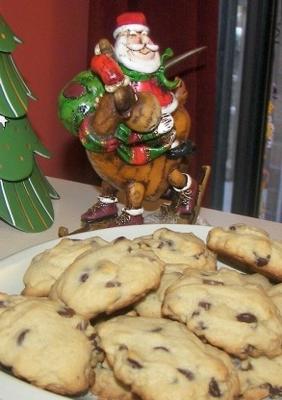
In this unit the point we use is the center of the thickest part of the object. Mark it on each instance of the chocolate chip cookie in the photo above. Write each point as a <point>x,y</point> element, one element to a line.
<point>160,359</point>
<point>46,267</point>
<point>248,247</point>
<point>179,248</point>
<point>45,343</point>
<point>112,277</point>
<point>228,310</point>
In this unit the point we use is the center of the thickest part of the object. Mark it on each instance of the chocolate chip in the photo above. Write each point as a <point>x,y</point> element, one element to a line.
<point>3,304</point>
<point>195,314</point>
<point>21,336</point>
<point>232,228</point>
<point>111,284</point>
<point>214,388</point>
<point>165,243</point>
<point>247,317</point>
<point>261,261</point>
<point>205,305</point>
<point>155,330</point>
<point>198,256</point>
<point>94,340</point>
<point>84,277</point>
<point>161,348</point>
<point>134,364</point>
<point>123,347</point>
<point>66,312</point>
<point>188,374</point>
<point>212,282</point>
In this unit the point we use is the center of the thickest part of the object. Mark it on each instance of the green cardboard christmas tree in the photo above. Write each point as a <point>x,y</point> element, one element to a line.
<point>25,193</point>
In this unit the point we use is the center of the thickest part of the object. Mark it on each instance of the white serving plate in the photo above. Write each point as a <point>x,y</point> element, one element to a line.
<point>12,270</point>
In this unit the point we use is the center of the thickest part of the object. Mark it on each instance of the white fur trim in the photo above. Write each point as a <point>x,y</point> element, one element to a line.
<point>188,184</point>
<point>131,27</point>
<point>134,211</point>
<point>108,200</point>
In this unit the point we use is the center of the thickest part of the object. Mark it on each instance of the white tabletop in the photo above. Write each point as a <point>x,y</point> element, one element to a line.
<point>76,197</point>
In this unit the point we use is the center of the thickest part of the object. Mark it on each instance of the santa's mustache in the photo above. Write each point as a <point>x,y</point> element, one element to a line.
<point>141,46</point>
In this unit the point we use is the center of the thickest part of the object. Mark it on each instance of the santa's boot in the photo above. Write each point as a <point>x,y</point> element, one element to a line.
<point>106,207</point>
<point>129,216</point>
<point>186,198</point>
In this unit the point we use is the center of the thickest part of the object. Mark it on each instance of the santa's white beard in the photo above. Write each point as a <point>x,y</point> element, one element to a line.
<point>131,60</point>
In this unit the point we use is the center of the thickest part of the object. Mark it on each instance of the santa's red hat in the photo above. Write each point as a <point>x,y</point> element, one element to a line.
<point>135,21</point>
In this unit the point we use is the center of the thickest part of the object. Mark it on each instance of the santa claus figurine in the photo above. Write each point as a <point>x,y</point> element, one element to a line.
<point>135,61</point>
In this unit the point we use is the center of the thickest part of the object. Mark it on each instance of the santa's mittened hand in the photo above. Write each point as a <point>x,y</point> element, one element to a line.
<point>166,124</point>
<point>107,69</point>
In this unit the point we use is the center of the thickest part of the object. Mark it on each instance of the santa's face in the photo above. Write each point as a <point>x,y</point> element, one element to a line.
<point>136,51</point>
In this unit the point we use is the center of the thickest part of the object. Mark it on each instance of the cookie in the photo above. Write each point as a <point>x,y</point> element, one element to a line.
<point>45,343</point>
<point>260,377</point>
<point>46,267</point>
<point>179,248</point>
<point>249,247</point>
<point>108,279</point>
<point>151,305</point>
<point>107,387</point>
<point>160,359</point>
<point>226,309</point>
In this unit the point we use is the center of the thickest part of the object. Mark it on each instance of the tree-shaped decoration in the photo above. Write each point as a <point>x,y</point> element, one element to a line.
<point>25,193</point>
